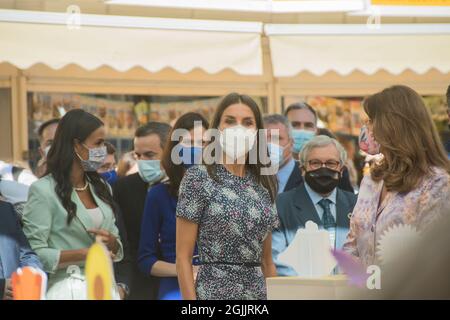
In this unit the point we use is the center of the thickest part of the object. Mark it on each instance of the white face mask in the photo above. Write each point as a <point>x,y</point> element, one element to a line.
<point>237,141</point>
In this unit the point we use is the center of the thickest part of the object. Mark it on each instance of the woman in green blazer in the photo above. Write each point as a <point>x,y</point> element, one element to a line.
<point>71,207</point>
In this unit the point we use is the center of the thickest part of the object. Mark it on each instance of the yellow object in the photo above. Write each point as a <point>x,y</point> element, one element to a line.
<point>99,273</point>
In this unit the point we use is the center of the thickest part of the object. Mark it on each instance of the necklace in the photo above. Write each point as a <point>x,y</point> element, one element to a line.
<point>82,188</point>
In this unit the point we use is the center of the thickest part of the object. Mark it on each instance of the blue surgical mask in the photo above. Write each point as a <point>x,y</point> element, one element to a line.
<point>95,160</point>
<point>301,137</point>
<point>110,176</point>
<point>275,154</point>
<point>150,170</point>
<point>190,155</point>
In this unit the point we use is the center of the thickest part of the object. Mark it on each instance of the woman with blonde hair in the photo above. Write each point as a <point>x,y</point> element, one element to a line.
<point>411,184</point>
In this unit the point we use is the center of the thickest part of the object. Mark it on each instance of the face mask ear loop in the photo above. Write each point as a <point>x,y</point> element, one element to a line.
<point>77,154</point>
<point>84,145</point>
<point>79,157</point>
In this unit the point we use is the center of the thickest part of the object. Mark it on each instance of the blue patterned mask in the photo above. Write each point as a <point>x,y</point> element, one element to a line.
<point>95,160</point>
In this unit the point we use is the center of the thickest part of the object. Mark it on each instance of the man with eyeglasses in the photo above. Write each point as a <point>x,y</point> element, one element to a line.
<point>317,199</point>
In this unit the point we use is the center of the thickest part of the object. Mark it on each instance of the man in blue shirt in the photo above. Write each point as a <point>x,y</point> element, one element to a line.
<point>15,251</point>
<point>317,199</point>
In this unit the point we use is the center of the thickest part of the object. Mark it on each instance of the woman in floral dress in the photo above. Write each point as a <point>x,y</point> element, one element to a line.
<point>411,184</point>
<point>228,208</point>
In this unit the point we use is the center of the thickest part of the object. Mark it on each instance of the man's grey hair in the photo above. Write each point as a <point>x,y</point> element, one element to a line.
<point>322,141</point>
<point>276,118</point>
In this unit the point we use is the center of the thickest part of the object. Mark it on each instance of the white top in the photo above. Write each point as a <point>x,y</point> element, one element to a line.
<point>96,216</point>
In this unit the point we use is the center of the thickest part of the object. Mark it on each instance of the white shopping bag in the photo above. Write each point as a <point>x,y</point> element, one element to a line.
<point>309,254</point>
<point>73,287</point>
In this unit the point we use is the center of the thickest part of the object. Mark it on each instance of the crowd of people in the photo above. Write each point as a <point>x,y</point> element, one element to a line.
<point>192,213</point>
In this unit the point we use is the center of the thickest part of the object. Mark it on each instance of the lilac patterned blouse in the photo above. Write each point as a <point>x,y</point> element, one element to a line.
<point>417,208</point>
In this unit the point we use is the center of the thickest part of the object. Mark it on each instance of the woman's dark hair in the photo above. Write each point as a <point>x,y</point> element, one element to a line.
<point>175,172</point>
<point>267,181</point>
<point>75,125</point>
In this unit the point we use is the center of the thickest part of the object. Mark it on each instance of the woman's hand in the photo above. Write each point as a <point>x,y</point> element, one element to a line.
<point>107,238</point>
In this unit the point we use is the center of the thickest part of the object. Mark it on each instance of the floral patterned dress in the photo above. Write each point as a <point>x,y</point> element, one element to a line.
<point>417,208</point>
<point>234,217</point>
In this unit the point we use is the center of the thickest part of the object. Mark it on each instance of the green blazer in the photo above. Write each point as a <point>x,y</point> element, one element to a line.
<point>45,225</point>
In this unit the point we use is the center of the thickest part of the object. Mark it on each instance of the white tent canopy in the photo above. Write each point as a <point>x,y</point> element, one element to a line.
<point>90,41</point>
<point>121,42</point>
<point>347,48</point>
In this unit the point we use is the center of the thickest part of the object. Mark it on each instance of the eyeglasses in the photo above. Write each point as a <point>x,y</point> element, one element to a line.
<point>317,164</point>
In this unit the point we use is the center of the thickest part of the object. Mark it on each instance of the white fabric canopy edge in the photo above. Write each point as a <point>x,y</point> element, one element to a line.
<point>27,44</point>
<point>319,49</point>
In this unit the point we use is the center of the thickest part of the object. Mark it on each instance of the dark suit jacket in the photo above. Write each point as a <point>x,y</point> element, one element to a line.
<point>129,193</point>
<point>15,251</point>
<point>123,270</point>
<point>295,208</point>
<point>295,179</point>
